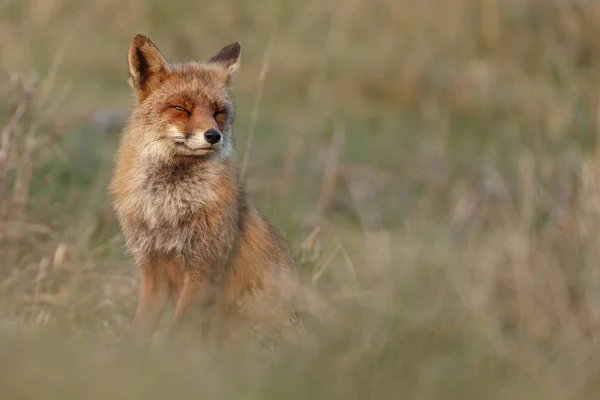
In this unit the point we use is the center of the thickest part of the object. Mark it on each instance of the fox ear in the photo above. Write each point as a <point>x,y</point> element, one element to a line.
<point>147,67</point>
<point>228,57</point>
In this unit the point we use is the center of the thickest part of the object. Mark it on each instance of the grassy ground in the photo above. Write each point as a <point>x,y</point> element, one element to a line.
<point>446,149</point>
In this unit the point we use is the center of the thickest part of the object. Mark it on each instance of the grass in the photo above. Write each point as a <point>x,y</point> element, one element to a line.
<point>447,151</point>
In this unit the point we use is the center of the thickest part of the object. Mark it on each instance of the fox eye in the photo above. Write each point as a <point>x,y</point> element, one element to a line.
<point>178,108</point>
<point>219,112</point>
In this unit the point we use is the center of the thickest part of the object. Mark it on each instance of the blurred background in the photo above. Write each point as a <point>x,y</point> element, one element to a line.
<point>434,165</point>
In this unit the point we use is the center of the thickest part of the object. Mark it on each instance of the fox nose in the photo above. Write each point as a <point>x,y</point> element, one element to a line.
<point>212,136</point>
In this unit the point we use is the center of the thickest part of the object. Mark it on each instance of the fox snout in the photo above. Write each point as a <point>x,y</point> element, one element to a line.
<point>197,141</point>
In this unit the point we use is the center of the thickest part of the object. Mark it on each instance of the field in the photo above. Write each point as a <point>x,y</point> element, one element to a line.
<point>443,155</point>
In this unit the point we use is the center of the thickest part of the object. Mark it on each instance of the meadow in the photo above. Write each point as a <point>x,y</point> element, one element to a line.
<point>435,166</point>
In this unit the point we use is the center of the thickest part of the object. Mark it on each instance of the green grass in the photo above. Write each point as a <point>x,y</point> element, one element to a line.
<point>458,237</point>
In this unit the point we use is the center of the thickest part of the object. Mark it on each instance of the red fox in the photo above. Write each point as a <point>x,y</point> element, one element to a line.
<point>184,214</point>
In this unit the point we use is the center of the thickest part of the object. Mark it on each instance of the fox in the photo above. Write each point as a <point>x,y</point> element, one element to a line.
<point>184,213</point>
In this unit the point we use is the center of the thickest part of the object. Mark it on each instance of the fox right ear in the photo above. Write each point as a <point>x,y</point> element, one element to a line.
<point>147,66</point>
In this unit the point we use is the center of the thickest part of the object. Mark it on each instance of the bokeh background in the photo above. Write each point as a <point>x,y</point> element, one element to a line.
<point>434,165</point>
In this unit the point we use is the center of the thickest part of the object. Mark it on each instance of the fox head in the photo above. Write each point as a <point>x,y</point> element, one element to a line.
<point>183,110</point>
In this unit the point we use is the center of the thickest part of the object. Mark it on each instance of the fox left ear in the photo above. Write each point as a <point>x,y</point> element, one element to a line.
<point>228,57</point>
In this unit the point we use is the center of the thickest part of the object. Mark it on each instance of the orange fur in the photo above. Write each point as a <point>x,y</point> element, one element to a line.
<point>184,214</point>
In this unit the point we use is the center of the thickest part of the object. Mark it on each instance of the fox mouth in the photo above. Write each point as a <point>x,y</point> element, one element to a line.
<point>206,149</point>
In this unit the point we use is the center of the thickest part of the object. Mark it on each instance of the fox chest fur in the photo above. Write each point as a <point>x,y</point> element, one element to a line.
<point>189,211</point>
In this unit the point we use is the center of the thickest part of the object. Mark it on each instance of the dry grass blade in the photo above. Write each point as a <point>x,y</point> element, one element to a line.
<point>376,238</point>
<point>330,175</point>
<point>262,76</point>
<point>24,93</point>
<point>326,263</point>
